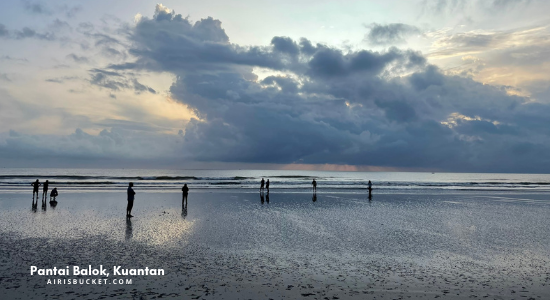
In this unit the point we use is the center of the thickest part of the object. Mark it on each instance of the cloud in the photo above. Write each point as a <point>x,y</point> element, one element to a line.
<point>463,6</point>
<point>62,79</point>
<point>36,7</point>
<point>314,103</point>
<point>138,87</point>
<point>359,107</point>
<point>9,58</point>
<point>77,59</point>
<point>515,57</point>
<point>72,11</point>
<point>116,81</point>
<point>506,4</point>
<point>3,31</point>
<point>390,34</point>
<point>121,142</point>
<point>25,33</point>
<point>5,77</point>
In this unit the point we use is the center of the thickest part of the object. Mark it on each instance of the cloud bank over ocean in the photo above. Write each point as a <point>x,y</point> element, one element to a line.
<point>293,101</point>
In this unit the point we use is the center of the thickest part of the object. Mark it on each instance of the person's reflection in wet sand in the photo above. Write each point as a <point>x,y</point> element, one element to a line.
<point>184,210</point>
<point>314,198</point>
<point>34,205</point>
<point>53,204</point>
<point>129,233</point>
<point>267,198</point>
<point>262,198</point>
<point>370,197</point>
<point>44,206</point>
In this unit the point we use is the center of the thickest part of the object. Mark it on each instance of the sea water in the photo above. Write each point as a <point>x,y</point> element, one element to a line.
<point>83,180</point>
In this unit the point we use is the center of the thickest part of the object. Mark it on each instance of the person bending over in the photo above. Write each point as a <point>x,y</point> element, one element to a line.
<point>53,194</point>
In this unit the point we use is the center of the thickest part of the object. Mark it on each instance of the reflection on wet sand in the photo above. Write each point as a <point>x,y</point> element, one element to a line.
<point>314,198</point>
<point>129,231</point>
<point>34,205</point>
<point>262,199</point>
<point>184,210</point>
<point>267,198</point>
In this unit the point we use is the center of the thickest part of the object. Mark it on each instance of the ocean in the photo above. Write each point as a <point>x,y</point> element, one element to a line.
<point>86,180</point>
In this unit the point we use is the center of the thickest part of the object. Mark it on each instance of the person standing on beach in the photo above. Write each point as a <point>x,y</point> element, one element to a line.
<point>314,183</point>
<point>370,189</point>
<point>267,186</point>
<point>185,191</point>
<point>131,194</point>
<point>45,190</point>
<point>262,183</point>
<point>35,186</point>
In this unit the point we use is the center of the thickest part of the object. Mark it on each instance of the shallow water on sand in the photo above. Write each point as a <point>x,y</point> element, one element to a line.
<point>470,243</point>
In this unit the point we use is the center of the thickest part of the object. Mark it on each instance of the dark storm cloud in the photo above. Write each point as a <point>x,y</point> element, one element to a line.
<point>390,34</point>
<point>385,108</point>
<point>318,103</point>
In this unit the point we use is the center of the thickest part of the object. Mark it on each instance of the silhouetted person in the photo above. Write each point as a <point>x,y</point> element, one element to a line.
<point>185,191</point>
<point>45,190</point>
<point>262,199</point>
<point>129,233</point>
<point>53,194</point>
<point>35,186</point>
<point>370,189</point>
<point>314,184</point>
<point>267,186</point>
<point>262,183</point>
<point>267,198</point>
<point>131,194</point>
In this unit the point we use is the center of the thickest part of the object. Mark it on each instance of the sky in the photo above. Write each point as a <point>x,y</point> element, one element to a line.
<point>422,85</point>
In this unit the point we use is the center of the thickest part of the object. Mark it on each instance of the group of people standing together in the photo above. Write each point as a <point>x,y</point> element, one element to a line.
<point>35,190</point>
<point>262,183</point>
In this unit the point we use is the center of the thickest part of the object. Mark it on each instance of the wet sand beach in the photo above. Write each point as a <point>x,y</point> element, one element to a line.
<point>232,244</point>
